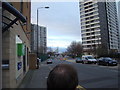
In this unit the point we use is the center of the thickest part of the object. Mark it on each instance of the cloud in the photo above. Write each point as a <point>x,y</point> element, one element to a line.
<point>62,21</point>
<point>63,38</point>
<point>55,0</point>
<point>58,43</point>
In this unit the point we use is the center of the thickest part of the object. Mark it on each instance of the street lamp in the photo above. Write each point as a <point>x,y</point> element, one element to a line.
<point>37,25</point>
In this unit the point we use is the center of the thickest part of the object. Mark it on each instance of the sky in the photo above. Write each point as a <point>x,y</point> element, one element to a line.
<point>62,20</point>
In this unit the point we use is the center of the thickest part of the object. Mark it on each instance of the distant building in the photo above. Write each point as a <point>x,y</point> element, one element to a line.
<point>38,39</point>
<point>99,26</point>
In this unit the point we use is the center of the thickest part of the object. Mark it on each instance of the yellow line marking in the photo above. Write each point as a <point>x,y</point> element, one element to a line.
<point>80,87</point>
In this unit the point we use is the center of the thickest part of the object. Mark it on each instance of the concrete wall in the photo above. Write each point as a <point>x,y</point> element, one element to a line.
<point>5,56</point>
<point>103,24</point>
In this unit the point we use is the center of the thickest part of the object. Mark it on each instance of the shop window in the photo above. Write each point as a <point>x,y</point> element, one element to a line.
<point>27,56</point>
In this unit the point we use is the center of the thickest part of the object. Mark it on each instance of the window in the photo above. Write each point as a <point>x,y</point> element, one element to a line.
<point>92,21</point>
<point>88,34</point>
<point>88,37</point>
<point>86,18</point>
<point>87,26</point>
<point>87,22</point>
<point>93,33</point>
<point>92,29</point>
<point>92,17</point>
<point>21,6</point>
<point>87,30</point>
<point>92,25</point>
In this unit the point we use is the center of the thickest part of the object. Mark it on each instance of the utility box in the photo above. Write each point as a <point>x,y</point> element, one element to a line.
<point>32,61</point>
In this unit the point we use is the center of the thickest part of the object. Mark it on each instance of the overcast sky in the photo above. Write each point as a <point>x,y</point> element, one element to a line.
<point>62,20</point>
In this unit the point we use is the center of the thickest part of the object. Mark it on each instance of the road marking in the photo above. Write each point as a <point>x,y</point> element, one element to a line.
<point>71,61</point>
<point>80,87</point>
<point>46,77</point>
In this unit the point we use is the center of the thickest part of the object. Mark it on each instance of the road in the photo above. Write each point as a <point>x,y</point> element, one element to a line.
<point>90,75</point>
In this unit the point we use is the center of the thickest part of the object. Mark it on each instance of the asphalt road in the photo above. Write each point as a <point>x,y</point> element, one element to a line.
<point>90,75</point>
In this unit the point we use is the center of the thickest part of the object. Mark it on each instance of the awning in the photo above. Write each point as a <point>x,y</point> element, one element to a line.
<point>6,6</point>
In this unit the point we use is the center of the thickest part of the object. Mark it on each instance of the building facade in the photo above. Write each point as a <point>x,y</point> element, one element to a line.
<point>119,21</point>
<point>15,42</point>
<point>99,26</point>
<point>38,39</point>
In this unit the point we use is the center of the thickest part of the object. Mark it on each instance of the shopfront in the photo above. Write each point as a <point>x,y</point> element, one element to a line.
<point>15,47</point>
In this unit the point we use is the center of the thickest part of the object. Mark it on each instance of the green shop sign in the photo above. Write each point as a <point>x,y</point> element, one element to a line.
<point>20,49</point>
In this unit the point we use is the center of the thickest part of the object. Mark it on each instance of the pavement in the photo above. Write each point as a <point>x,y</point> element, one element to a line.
<point>37,78</point>
<point>26,79</point>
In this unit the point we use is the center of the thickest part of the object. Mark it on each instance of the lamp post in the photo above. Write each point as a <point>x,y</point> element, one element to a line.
<point>37,26</point>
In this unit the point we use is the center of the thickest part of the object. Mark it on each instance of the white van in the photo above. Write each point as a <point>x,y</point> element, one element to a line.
<point>88,59</point>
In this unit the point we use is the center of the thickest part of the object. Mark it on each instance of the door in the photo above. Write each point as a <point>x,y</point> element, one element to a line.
<point>24,61</point>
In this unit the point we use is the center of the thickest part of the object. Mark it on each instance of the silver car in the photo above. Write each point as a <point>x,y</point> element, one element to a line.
<point>49,61</point>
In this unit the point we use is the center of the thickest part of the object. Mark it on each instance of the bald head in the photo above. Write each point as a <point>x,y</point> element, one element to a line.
<point>62,76</point>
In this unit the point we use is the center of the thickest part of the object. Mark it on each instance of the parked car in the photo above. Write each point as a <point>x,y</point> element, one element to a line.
<point>78,60</point>
<point>107,61</point>
<point>49,61</point>
<point>88,59</point>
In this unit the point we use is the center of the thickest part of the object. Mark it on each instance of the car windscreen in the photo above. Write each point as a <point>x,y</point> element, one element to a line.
<point>108,59</point>
<point>90,57</point>
<point>78,58</point>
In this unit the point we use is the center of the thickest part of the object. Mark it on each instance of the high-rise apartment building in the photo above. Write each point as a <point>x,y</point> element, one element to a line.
<point>38,39</point>
<point>119,22</point>
<point>99,25</point>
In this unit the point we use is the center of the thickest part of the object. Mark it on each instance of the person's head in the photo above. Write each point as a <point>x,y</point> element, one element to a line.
<point>63,76</point>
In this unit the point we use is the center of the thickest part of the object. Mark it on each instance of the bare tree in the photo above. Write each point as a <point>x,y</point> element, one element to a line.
<point>50,51</point>
<point>75,48</point>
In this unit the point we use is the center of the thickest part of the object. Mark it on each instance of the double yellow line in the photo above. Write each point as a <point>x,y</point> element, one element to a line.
<point>80,87</point>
